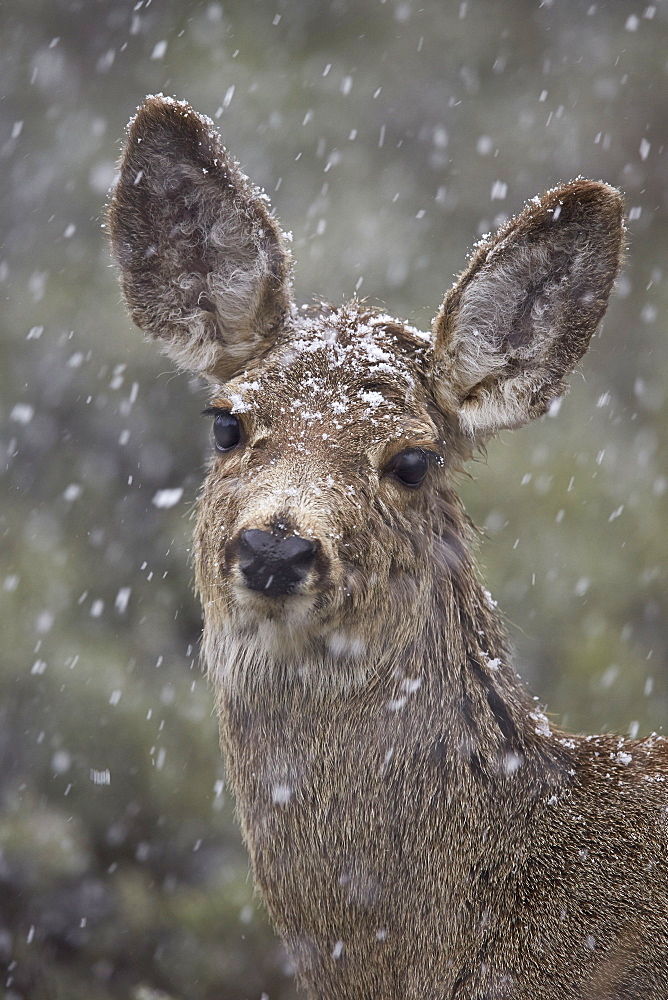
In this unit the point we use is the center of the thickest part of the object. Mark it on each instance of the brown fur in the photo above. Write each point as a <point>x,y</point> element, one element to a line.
<point>416,827</point>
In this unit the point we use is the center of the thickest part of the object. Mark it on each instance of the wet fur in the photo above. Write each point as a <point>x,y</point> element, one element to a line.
<point>416,827</point>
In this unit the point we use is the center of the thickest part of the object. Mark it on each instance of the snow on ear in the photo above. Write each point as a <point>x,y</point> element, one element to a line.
<point>204,267</point>
<point>521,315</point>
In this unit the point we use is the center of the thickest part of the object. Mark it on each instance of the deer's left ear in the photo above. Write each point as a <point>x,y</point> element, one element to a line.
<point>521,315</point>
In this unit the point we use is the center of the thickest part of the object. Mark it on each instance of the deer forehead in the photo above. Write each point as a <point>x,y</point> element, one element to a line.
<point>360,381</point>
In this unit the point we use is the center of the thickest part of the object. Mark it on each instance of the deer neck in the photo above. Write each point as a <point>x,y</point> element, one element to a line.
<point>437,672</point>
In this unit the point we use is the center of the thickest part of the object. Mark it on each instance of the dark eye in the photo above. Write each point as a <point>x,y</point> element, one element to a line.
<point>226,431</point>
<point>410,466</point>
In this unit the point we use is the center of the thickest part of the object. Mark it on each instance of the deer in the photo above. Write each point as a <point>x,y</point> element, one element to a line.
<point>417,827</point>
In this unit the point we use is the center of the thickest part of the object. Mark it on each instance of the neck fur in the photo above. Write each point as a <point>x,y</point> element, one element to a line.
<point>447,660</point>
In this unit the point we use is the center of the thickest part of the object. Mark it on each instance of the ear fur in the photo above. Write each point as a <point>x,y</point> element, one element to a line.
<point>521,315</point>
<point>204,267</point>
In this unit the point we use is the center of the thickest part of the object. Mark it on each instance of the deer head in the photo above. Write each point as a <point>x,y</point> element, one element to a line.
<point>329,515</point>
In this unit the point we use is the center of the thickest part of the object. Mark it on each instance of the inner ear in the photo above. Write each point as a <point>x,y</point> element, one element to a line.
<point>521,329</point>
<point>522,314</point>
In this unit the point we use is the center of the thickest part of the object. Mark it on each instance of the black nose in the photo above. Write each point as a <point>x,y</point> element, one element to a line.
<point>273,565</point>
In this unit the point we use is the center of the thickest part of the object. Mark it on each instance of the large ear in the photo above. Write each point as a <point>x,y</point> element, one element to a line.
<point>521,315</point>
<point>204,267</point>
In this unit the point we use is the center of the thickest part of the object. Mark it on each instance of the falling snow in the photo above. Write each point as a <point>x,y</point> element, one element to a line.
<point>387,160</point>
<point>167,498</point>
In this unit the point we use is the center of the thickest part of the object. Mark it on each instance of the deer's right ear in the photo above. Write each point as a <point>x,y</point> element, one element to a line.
<point>204,266</point>
<point>519,318</point>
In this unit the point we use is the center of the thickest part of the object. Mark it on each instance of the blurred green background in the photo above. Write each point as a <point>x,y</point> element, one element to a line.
<point>389,135</point>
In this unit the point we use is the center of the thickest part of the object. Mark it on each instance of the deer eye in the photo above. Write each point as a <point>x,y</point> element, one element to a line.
<point>410,467</point>
<point>226,431</point>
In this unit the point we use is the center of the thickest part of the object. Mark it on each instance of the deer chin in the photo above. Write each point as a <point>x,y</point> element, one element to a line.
<point>251,657</point>
<point>287,610</point>
<point>302,634</point>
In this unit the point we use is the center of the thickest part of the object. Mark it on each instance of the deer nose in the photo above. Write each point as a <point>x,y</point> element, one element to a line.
<point>272,565</point>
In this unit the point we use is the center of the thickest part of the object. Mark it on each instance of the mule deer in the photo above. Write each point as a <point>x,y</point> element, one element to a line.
<point>416,826</point>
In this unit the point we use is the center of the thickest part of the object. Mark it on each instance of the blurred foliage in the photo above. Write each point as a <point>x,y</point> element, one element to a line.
<point>389,135</point>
